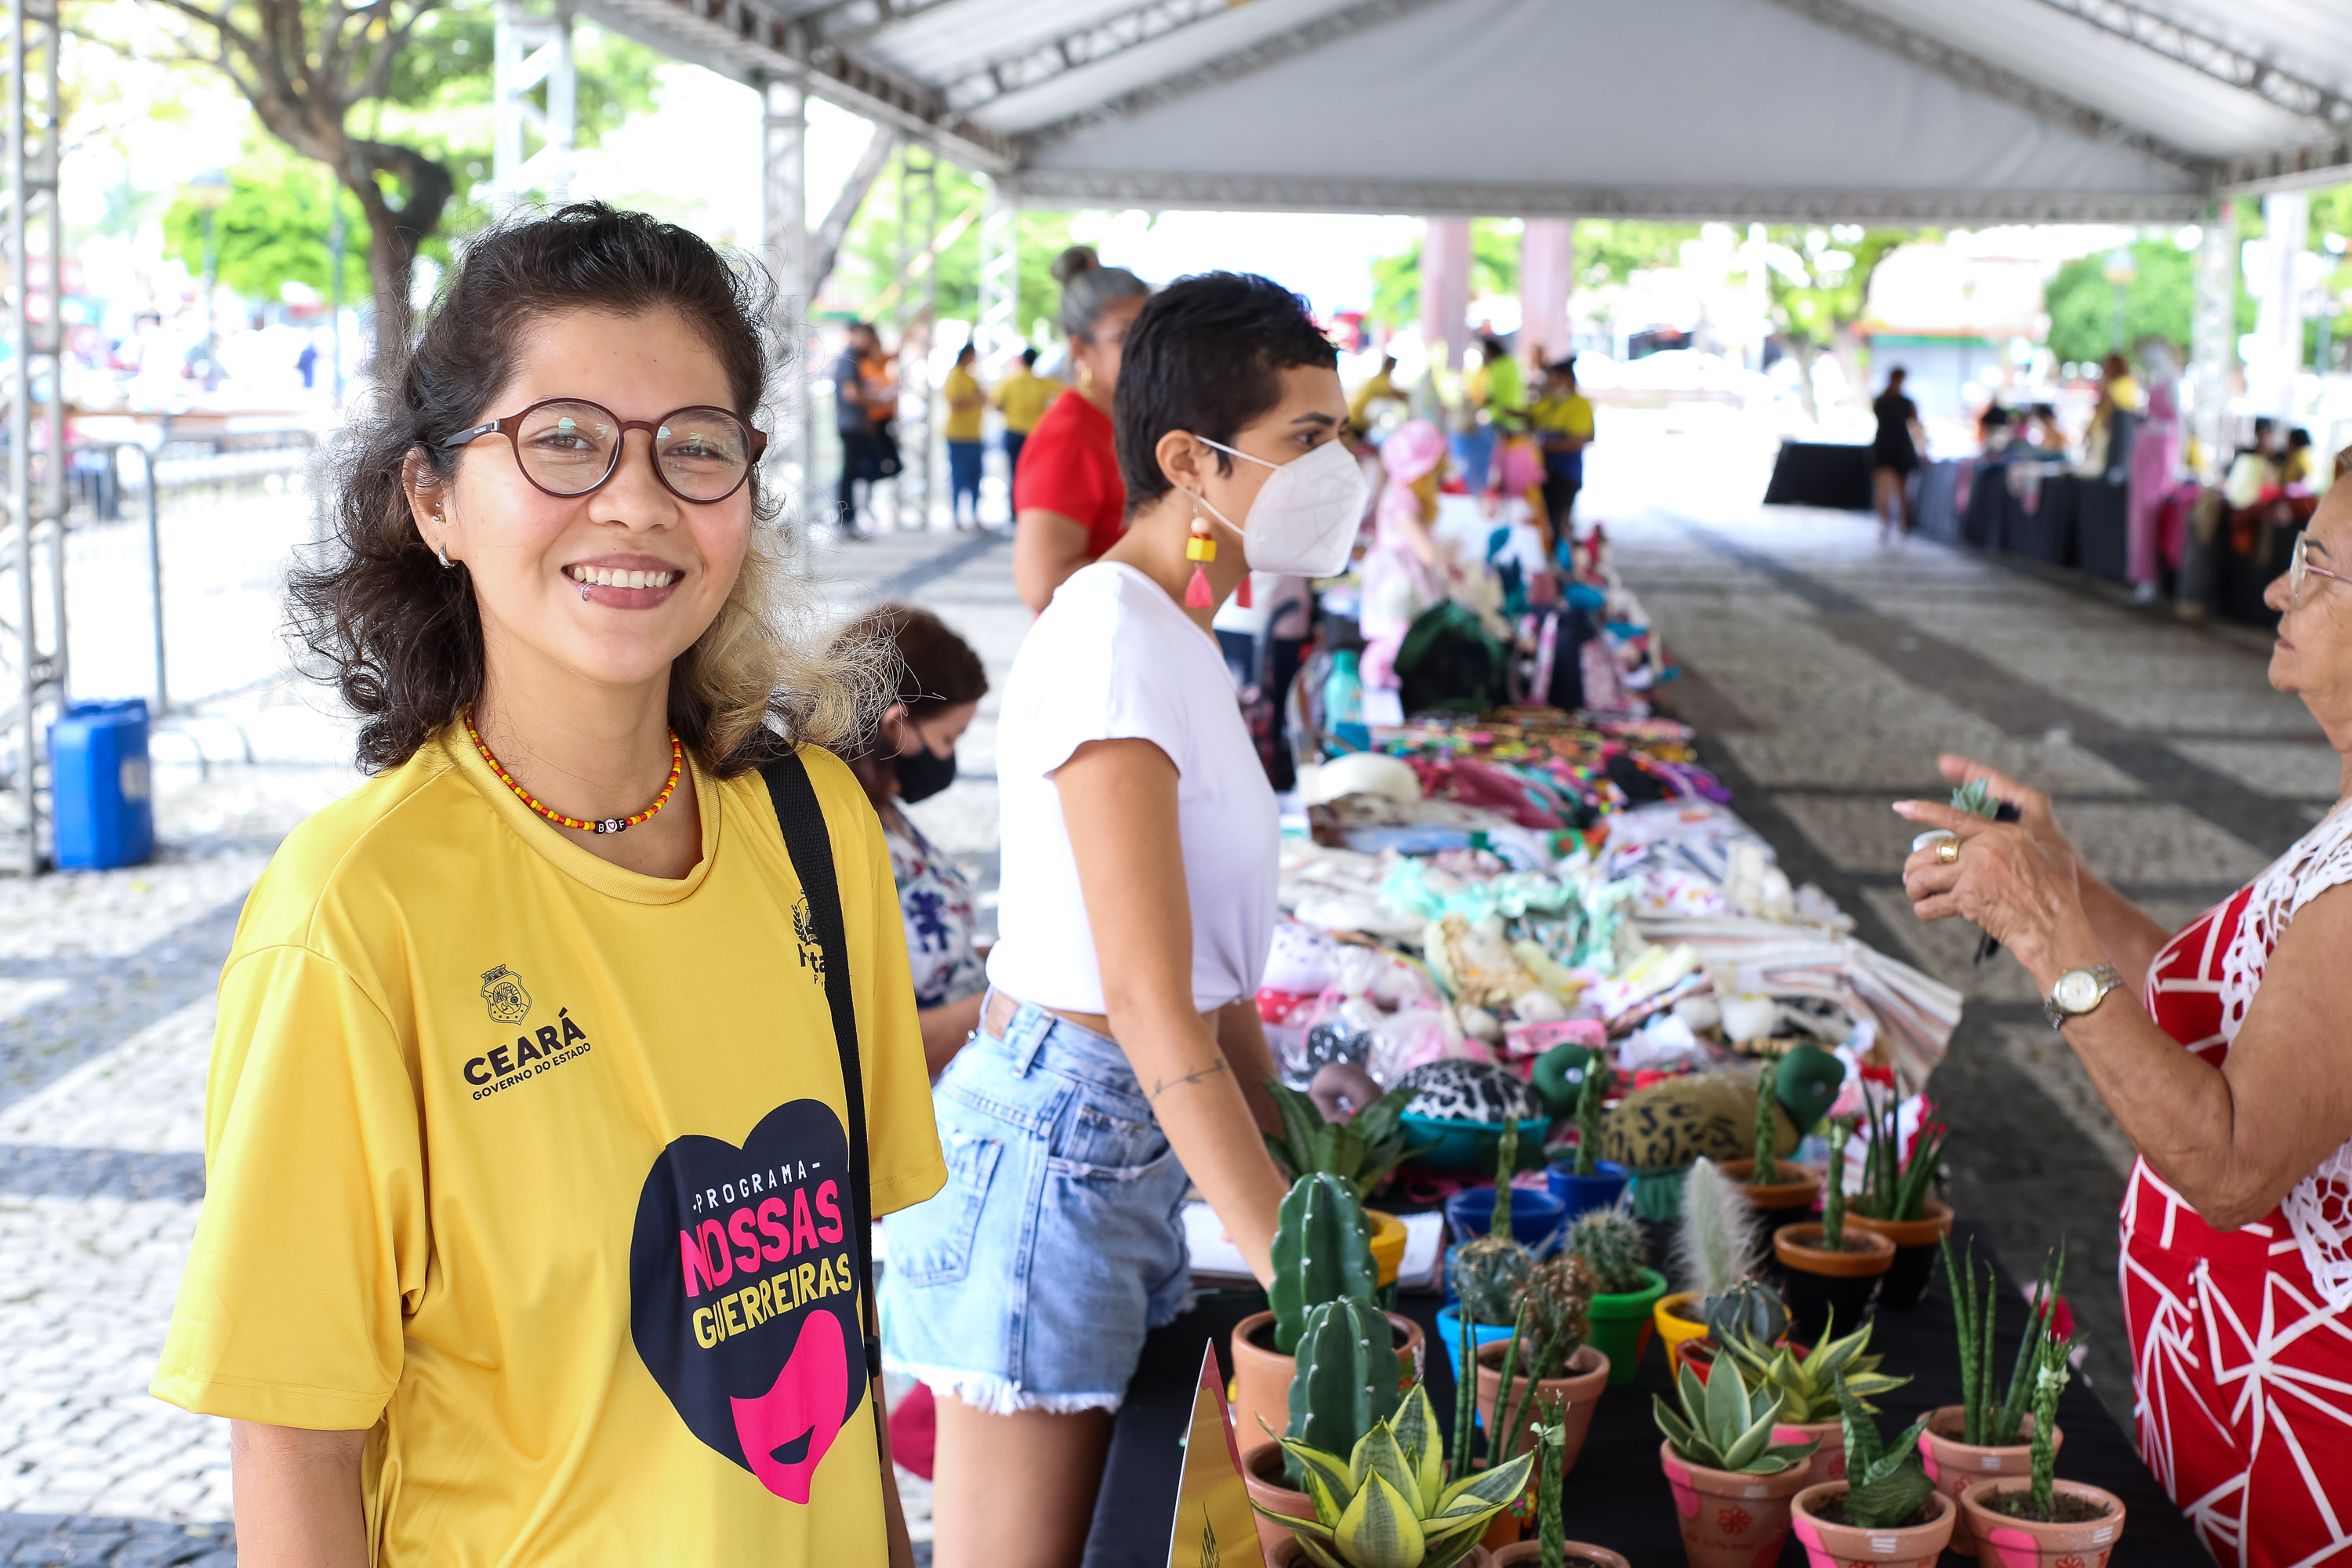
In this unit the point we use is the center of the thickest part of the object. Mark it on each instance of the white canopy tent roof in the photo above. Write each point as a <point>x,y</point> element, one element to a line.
<point>1923,111</point>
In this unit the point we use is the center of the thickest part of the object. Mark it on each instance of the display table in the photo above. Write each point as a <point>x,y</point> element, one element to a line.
<point>1616,1496</point>
<point>1820,473</point>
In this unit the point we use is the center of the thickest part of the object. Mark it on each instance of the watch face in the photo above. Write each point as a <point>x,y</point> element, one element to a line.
<point>2077,990</point>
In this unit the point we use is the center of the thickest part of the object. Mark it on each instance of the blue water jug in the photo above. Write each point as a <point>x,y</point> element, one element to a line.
<point>98,765</point>
<point>1343,705</point>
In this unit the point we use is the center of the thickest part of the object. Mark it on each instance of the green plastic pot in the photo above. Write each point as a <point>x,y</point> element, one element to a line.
<point>1620,1326</point>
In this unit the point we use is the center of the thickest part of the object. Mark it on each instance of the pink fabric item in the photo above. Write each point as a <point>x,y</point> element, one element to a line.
<point>1413,449</point>
<point>2155,453</point>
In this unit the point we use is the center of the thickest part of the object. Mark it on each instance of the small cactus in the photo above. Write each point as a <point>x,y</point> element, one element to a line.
<point>1346,1379</point>
<point>1555,1296</point>
<point>1746,1310</point>
<point>1488,1274</point>
<point>1833,1205</point>
<point>1322,1252</point>
<point>1587,1112</point>
<point>1767,1169</point>
<point>1612,1247</point>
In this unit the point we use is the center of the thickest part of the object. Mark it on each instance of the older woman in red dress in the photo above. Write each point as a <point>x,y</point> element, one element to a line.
<point>2224,1054</point>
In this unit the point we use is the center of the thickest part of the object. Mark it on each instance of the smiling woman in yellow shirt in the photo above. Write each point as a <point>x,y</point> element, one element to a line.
<point>530,1227</point>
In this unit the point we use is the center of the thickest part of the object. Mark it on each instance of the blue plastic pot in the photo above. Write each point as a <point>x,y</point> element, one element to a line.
<point>1468,1145</point>
<point>1449,1332</point>
<point>1582,1194</point>
<point>1537,1218</point>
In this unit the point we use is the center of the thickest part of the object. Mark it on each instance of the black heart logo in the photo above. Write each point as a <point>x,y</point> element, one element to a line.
<point>743,1275</point>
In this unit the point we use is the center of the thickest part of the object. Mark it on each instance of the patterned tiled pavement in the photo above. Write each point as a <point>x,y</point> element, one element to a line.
<point>1825,670</point>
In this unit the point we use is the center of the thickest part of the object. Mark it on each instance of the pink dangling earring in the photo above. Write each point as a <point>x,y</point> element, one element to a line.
<point>1242,593</point>
<point>1199,549</point>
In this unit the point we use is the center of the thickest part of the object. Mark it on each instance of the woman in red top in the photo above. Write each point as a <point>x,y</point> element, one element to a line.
<point>1068,505</point>
<point>2224,1058</point>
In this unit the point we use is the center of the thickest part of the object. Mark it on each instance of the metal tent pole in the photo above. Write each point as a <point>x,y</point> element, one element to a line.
<point>999,330</point>
<point>2213,338</point>
<point>784,248</point>
<point>531,51</point>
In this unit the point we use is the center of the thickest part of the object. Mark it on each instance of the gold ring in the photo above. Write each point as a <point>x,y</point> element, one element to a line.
<point>1948,851</point>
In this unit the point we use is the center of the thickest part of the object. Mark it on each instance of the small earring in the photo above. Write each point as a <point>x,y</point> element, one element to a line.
<point>443,551</point>
<point>1199,549</point>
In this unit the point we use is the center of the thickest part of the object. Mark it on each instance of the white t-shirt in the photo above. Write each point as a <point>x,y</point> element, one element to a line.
<point>1113,657</point>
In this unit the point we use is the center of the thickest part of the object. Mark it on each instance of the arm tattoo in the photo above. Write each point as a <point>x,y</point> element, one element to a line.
<point>1161,1086</point>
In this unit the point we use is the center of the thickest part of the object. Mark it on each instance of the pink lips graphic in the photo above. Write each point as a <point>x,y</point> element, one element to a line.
<point>801,1414</point>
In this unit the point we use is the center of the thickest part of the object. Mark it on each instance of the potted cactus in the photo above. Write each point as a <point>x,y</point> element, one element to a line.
<point>1362,1151</point>
<point>1732,1483</point>
<point>1487,1269</point>
<point>2038,1518</point>
<point>1624,1288</point>
<point>1551,1548</point>
<point>1532,1218</point>
<point>1808,1379</point>
<point>1988,1435</point>
<point>1587,1182</point>
<point>1389,1503</point>
<point>1347,1381</point>
<point>1322,1253</point>
<point>1546,1357</point>
<point>1714,1249</point>
<point>1830,1269</point>
<point>1776,1187</point>
<point>1894,1199</point>
<point>1885,1511</point>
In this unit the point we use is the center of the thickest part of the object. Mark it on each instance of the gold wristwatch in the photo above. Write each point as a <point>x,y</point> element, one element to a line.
<point>2078,990</point>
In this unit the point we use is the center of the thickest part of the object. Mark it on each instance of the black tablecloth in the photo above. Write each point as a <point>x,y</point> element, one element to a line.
<point>1616,1496</point>
<point>1819,473</point>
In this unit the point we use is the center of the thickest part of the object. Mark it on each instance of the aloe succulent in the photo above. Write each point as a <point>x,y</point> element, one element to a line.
<point>1885,1483</point>
<point>1810,1387</point>
<point>1388,1504</point>
<point>1361,1151</point>
<point>1986,1423</point>
<point>1746,1310</point>
<point>1612,1247</point>
<point>1322,1251</point>
<point>1722,1428</point>
<point>1766,1168</point>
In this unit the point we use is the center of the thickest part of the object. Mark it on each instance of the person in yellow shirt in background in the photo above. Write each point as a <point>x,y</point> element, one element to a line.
<point>1562,418</point>
<point>1022,397</point>
<point>559,1064</point>
<point>966,403</point>
<point>1381,387</point>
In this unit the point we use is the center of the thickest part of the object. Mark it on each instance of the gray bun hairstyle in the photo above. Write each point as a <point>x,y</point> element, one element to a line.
<point>1088,288</point>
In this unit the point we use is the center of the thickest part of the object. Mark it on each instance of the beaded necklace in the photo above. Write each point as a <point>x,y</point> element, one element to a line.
<point>603,825</point>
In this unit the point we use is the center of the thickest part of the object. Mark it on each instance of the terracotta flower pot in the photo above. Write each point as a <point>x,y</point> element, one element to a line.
<point>1828,1463</point>
<point>1262,1474</point>
<point>1262,1374</point>
<point>1588,1374</point>
<point>2009,1542</point>
<point>1916,1243</point>
<point>1678,1320</point>
<point>1821,1284</point>
<point>1829,1545</point>
<point>1728,1520</point>
<point>1619,1324</point>
<point>1799,1186</point>
<point>1954,1467</point>
<point>1530,1553</point>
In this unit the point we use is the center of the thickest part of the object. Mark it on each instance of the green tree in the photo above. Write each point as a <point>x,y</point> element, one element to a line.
<point>2160,301</point>
<point>1819,285</point>
<point>1610,250</point>
<point>867,269</point>
<point>1396,279</point>
<point>273,228</point>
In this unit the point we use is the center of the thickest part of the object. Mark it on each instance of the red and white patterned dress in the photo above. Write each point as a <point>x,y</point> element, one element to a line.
<point>2241,1342</point>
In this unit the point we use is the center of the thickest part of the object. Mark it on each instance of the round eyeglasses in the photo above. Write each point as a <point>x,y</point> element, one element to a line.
<point>2299,568</point>
<point>568,447</point>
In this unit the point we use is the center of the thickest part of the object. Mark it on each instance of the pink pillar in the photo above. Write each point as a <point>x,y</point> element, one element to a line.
<point>1445,288</point>
<point>1547,274</point>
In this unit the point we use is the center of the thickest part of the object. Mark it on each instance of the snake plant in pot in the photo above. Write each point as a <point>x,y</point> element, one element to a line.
<point>1732,1482</point>
<point>1807,1383</point>
<point>1544,1357</point>
<point>2041,1519</point>
<point>1778,1189</point>
<point>1587,1182</point>
<point>1988,1435</point>
<point>1552,1548</point>
<point>1389,1503</point>
<point>1894,1200</point>
<point>1885,1509</point>
<point>1624,1288</point>
<point>1830,1269</point>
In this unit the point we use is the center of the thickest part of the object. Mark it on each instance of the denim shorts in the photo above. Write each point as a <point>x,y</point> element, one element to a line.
<point>1030,1281</point>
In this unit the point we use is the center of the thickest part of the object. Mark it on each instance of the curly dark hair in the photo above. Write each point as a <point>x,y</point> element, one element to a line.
<point>400,637</point>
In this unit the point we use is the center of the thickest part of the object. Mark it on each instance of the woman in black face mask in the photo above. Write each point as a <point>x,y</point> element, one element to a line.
<point>912,758</point>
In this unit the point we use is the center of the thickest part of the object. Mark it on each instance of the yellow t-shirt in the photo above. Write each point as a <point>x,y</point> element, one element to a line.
<point>1022,397</point>
<point>963,424</point>
<point>535,1168</point>
<point>1569,415</point>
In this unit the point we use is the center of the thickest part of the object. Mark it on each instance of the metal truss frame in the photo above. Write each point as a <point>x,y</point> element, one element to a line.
<point>531,51</point>
<point>1729,204</point>
<point>784,248</point>
<point>1113,36</point>
<point>919,232</point>
<point>1980,75</point>
<point>32,527</point>
<point>2209,56</point>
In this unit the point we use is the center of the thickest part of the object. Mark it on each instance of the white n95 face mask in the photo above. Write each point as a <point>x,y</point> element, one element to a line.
<point>1303,521</point>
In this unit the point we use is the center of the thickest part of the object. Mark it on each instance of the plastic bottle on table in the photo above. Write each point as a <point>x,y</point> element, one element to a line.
<point>1343,707</point>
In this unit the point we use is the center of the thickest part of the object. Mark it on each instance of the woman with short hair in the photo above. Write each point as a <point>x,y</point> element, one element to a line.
<point>533,1152</point>
<point>1069,503</point>
<point>2222,1052</point>
<point>1119,1050</point>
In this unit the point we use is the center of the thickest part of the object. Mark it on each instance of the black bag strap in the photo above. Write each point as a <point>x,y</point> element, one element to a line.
<point>810,843</point>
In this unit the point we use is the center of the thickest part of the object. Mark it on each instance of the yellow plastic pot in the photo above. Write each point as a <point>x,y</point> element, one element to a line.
<point>1388,1244</point>
<point>1675,1330</point>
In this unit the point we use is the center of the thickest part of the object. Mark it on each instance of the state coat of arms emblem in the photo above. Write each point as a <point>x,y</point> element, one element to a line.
<point>502,989</point>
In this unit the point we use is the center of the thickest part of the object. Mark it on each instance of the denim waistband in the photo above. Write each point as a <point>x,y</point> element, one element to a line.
<point>1038,1039</point>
